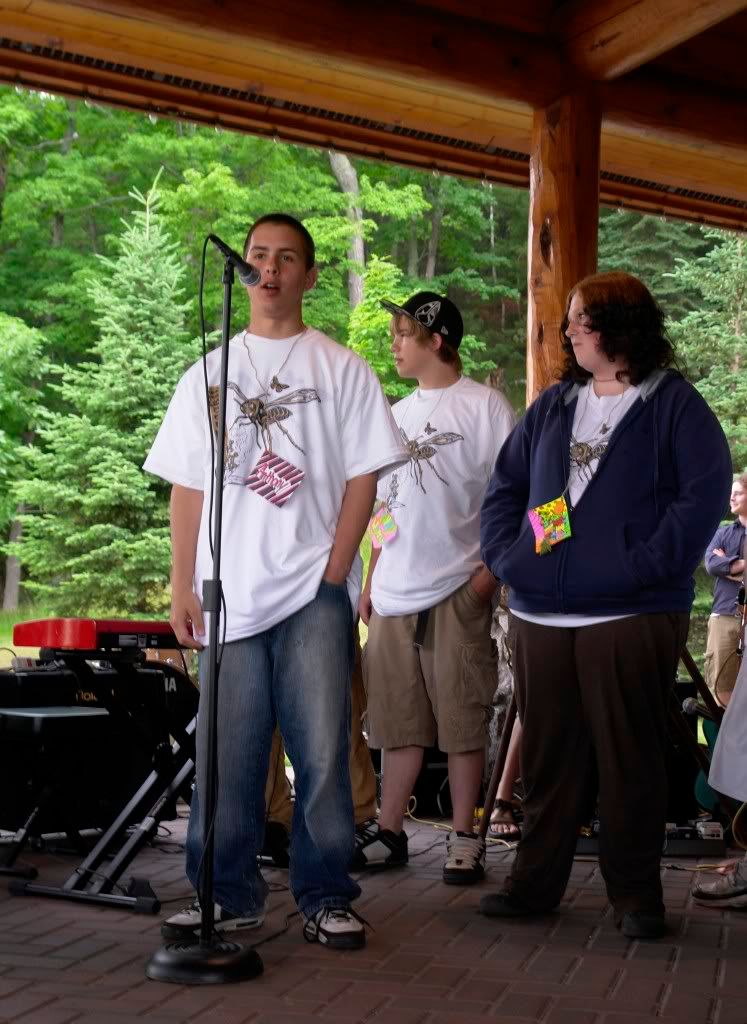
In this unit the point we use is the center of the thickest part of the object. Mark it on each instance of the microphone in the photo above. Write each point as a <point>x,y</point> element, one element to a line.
<point>690,706</point>
<point>247,274</point>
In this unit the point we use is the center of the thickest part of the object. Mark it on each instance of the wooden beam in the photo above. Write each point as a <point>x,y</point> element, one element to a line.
<point>563,221</point>
<point>528,18</point>
<point>481,68</point>
<point>273,119</point>
<point>607,38</point>
<point>694,208</point>
<point>654,104</point>
<point>715,58</point>
<point>395,39</point>
<point>632,162</point>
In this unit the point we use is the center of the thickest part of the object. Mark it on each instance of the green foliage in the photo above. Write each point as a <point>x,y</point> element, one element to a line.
<point>648,248</point>
<point>369,323</point>
<point>399,203</point>
<point>22,367</point>
<point>96,537</point>
<point>713,338</point>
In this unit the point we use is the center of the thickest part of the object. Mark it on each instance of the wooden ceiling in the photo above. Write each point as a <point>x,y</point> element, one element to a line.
<point>449,85</point>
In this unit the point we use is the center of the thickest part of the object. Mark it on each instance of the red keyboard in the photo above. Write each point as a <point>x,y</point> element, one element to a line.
<point>93,634</point>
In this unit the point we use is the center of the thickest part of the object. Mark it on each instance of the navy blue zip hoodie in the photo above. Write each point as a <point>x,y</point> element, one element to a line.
<point>640,527</point>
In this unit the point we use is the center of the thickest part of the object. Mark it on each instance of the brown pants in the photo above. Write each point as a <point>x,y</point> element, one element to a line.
<point>594,693</point>
<point>721,663</point>
<point>443,689</point>
<point>362,776</point>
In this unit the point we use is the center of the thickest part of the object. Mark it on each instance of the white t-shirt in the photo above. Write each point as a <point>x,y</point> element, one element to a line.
<point>321,408</point>
<point>594,420</point>
<point>455,435</point>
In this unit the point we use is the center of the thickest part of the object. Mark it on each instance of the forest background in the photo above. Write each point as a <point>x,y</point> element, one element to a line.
<point>103,214</point>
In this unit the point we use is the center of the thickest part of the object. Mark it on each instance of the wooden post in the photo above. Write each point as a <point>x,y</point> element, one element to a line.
<point>563,219</point>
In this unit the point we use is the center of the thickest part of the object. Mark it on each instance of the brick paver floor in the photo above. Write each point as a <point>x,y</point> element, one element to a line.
<point>430,958</point>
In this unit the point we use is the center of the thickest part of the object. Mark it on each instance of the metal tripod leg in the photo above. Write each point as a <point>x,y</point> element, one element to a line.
<point>495,777</point>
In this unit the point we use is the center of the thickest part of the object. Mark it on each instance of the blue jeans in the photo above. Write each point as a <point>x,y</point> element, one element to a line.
<point>298,674</point>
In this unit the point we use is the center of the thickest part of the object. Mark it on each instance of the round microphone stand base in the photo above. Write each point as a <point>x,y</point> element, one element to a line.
<point>218,963</point>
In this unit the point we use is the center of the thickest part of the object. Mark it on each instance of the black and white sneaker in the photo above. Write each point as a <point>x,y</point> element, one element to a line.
<point>338,928</point>
<point>186,923</point>
<point>465,859</point>
<point>378,848</point>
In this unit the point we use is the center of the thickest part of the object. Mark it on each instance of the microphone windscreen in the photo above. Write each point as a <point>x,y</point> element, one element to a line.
<point>250,276</point>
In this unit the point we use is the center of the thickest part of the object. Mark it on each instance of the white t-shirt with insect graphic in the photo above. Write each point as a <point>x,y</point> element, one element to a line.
<point>453,436</point>
<point>321,409</point>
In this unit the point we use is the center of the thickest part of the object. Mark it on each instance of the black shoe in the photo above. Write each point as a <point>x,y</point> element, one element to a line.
<point>277,844</point>
<point>642,924</point>
<point>377,848</point>
<point>505,904</point>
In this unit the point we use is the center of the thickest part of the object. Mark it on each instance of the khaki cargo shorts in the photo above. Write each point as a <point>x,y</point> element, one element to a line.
<point>441,691</point>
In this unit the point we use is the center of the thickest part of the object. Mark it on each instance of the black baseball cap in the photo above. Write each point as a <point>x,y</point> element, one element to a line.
<point>435,312</point>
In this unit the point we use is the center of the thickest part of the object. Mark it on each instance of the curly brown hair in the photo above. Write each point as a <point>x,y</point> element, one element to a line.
<point>630,325</point>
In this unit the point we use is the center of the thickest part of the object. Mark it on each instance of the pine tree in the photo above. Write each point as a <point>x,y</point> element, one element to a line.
<point>648,247</point>
<point>95,538</point>
<point>712,340</point>
<point>23,369</point>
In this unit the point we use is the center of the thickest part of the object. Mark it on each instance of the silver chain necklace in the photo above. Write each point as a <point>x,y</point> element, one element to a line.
<point>275,383</point>
<point>427,425</point>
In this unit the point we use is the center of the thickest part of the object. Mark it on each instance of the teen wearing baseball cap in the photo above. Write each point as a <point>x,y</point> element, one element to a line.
<point>430,665</point>
<point>436,313</point>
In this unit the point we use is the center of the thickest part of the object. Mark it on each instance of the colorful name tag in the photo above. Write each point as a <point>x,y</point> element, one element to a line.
<point>274,478</point>
<point>382,527</point>
<point>550,523</point>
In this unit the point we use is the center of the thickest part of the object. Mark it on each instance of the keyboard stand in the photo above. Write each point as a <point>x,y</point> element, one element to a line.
<point>93,881</point>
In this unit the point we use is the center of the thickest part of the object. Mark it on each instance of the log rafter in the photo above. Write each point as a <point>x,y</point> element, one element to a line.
<point>607,38</point>
<point>439,54</point>
<point>420,70</point>
<point>267,117</point>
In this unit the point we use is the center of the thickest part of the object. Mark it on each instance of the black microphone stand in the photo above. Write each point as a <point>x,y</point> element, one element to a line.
<point>211,960</point>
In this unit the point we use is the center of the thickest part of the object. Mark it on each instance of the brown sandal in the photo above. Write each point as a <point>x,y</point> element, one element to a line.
<point>504,822</point>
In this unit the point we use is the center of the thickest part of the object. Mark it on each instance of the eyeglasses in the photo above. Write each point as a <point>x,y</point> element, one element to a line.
<point>581,319</point>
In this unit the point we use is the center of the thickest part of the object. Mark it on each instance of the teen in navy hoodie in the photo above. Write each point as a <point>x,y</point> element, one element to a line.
<point>600,590</point>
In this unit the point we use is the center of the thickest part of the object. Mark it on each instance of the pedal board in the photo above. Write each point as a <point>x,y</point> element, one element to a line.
<point>701,839</point>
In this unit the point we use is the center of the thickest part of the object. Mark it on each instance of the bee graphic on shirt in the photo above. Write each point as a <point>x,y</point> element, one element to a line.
<point>583,454</point>
<point>262,415</point>
<point>422,451</point>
